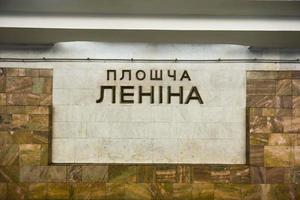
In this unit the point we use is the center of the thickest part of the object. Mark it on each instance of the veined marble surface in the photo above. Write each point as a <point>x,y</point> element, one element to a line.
<point>88,132</point>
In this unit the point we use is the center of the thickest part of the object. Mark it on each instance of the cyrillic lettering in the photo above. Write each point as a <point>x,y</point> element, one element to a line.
<point>171,94</point>
<point>172,75</point>
<point>160,94</point>
<point>191,96</point>
<point>113,90</point>
<point>156,76</point>
<point>123,74</point>
<point>140,72</point>
<point>150,94</point>
<point>114,74</point>
<point>185,74</point>
<point>124,94</point>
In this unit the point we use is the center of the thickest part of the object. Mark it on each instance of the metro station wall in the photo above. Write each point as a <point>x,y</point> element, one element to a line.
<point>273,152</point>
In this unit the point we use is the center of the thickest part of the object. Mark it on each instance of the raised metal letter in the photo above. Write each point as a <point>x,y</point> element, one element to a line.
<point>172,75</point>
<point>143,75</point>
<point>150,94</point>
<point>113,90</point>
<point>197,96</point>
<point>156,76</point>
<point>180,94</point>
<point>185,74</point>
<point>123,74</point>
<point>124,94</point>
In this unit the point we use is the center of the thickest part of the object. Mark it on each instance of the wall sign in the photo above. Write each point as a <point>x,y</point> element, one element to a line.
<point>127,91</point>
<point>146,113</point>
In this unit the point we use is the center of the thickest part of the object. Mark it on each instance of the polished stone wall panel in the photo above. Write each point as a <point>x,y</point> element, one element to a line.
<point>272,171</point>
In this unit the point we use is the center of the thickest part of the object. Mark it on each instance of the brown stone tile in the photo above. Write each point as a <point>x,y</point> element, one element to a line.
<point>82,191</point>
<point>182,191</point>
<point>9,174</point>
<point>122,173</point>
<point>284,74</point>
<point>145,173</point>
<point>284,87</point>
<point>258,75</point>
<point>3,191</point>
<point>277,175</point>
<point>278,139</point>
<point>279,191</point>
<point>46,72</point>
<point>296,87</point>
<point>20,121</point>
<point>18,84</point>
<point>16,110</point>
<point>161,191</point>
<point>227,192</point>
<point>115,191</point>
<point>251,191</point>
<point>39,122</point>
<point>5,138</point>
<point>2,99</point>
<point>259,139</point>
<point>58,191</point>
<point>44,154</point>
<point>32,72</point>
<point>268,112</point>
<point>201,174</point>
<point>165,174</point>
<point>295,173</point>
<point>184,174</point>
<point>30,173</point>
<point>297,191</point>
<point>2,82</point>
<point>42,86</point>
<point>240,174</point>
<point>21,137</point>
<point>30,154</point>
<point>220,174</point>
<point>3,109</point>
<point>256,155</point>
<point>284,102</point>
<point>37,191</point>
<point>278,156</point>
<point>74,173</point>
<point>36,110</point>
<point>295,74</point>
<point>284,118</point>
<point>23,99</point>
<point>258,175</point>
<point>6,122</point>
<point>270,124</point>
<point>46,99</point>
<point>296,101</point>
<point>54,174</point>
<point>296,154</point>
<point>40,137</point>
<point>297,143</point>
<point>22,72</point>
<point>95,173</point>
<point>259,124</point>
<point>9,154</point>
<point>137,191</point>
<point>295,121</point>
<point>203,191</point>
<point>261,87</point>
<point>12,71</point>
<point>17,191</point>
<point>261,101</point>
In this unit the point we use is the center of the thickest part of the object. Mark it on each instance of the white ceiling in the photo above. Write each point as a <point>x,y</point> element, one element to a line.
<point>269,23</point>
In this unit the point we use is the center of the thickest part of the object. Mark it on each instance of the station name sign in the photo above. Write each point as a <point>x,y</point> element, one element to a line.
<point>157,93</point>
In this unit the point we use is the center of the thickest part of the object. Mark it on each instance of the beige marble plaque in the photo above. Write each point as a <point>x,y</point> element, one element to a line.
<point>160,132</point>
